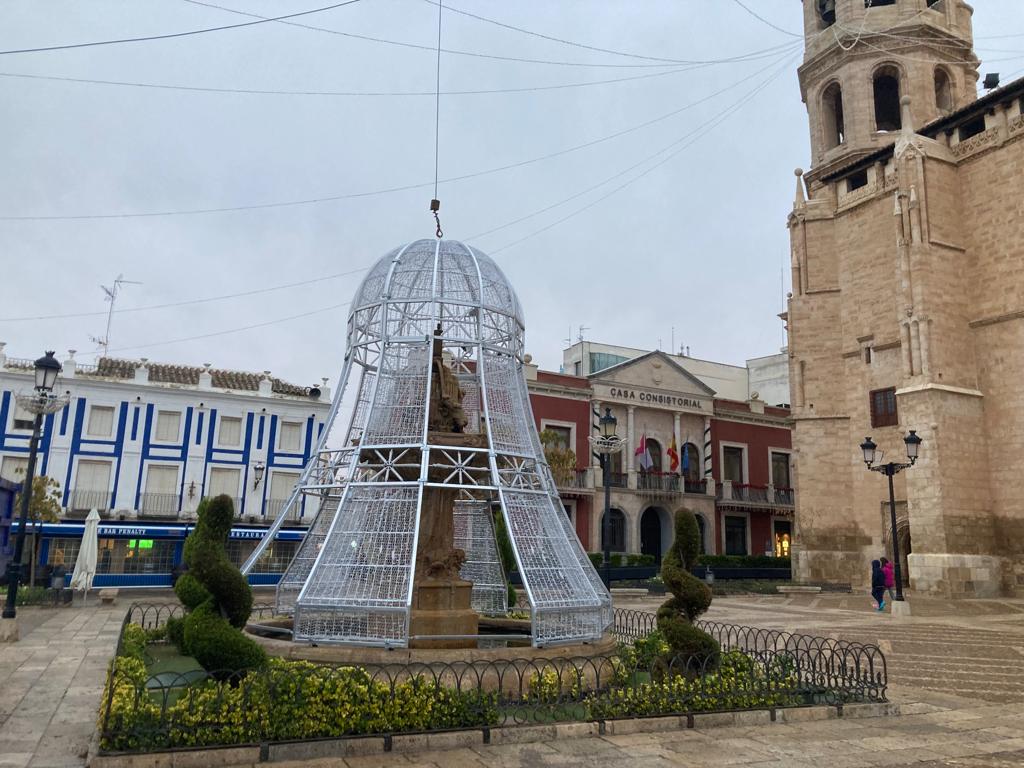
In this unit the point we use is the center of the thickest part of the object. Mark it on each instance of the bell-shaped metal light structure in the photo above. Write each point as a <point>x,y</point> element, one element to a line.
<point>441,419</point>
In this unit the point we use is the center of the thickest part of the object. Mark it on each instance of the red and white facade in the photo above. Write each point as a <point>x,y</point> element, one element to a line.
<point>732,465</point>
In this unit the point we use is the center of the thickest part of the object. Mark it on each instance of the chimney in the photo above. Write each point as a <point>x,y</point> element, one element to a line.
<point>266,385</point>
<point>142,372</point>
<point>325,391</point>
<point>206,378</point>
<point>70,365</point>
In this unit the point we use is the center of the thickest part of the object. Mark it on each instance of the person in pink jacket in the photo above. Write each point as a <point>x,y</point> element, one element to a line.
<point>890,576</point>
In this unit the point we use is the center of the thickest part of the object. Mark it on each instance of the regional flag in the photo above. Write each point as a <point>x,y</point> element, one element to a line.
<point>673,455</point>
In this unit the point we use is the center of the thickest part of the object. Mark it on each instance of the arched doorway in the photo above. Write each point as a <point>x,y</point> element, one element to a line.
<point>656,532</point>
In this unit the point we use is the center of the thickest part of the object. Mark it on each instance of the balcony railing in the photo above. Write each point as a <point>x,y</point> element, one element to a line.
<point>276,506</point>
<point>695,486</point>
<point>618,479</point>
<point>784,497</point>
<point>81,502</point>
<point>573,479</point>
<point>159,505</point>
<point>762,495</point>
<point>663,482</point>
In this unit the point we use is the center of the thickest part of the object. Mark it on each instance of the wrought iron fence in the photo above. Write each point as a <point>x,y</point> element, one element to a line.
<point>759,669</point>
<point>83,501</point>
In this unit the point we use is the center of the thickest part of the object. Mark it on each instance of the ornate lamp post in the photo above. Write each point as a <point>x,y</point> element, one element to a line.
<point>868,447</point>
<point>257,474</point>
<point>607,444</point>
<point>40,403</point>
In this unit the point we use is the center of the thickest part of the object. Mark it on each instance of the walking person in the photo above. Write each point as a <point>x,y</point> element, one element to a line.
<point>878,584</point>
<point>890,577</point>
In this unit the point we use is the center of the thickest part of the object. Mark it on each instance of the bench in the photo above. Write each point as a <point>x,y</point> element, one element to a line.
<point>107,596</point>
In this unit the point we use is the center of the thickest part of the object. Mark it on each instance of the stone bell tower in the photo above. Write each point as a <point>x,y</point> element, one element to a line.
<point>907,311</point>
<point>862,56</point>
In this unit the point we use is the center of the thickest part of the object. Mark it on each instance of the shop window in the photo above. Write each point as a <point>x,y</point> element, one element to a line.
<point>943,92</point>
<point>617,532</point>
<point>101,421</point>
<point>783,530</point>
<point>972,128</point>
<point>736,535</point>
<point>289,436</point>
<point>168,426</point>
<point>147,555</point>
<point>887,99</point>
<point>63,552</point>
<point>780,470</point>
<point>733,463</point>
<point>827,12</point>
<point>230,434</point>
<point>835,125</point>
<point>883,407</point>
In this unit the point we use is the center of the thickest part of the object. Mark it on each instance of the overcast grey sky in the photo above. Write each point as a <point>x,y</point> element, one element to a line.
<point>697,243</point>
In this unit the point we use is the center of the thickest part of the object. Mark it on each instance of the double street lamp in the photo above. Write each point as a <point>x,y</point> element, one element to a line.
<point>40,403</point>
<point>870,450</point>
<point>605,445</point>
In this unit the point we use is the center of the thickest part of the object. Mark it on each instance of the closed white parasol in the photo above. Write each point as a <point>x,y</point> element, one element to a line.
<point>85,565</point>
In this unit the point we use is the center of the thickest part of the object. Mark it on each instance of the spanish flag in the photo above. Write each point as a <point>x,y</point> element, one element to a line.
<point>673,455</point>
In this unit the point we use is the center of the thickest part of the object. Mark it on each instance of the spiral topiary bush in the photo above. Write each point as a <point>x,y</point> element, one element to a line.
<point>690,598</point>
<point>217,595</point>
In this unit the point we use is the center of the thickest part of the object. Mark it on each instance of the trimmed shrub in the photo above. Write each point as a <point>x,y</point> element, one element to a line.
<point>191,593</point>
<point>218,597</point>
<point>176,632</point>
<point>690,597</point>
<point>217,645</point>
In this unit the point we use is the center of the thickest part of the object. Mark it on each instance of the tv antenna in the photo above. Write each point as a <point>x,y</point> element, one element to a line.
<point>579,335</point>
<point>112,293</point>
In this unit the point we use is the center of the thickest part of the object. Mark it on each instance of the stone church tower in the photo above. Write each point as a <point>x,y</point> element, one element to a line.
<point>907,309</point>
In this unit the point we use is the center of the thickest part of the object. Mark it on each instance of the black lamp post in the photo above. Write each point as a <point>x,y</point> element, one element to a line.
<point>46,369</point>
<point>868,447</point>
<point>608,435</point>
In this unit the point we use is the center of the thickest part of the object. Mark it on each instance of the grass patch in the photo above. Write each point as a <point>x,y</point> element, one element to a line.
<point>170,673</point>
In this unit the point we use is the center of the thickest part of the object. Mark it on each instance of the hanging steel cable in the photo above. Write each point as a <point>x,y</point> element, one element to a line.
<point>402,188</point>
<point>172,35</point>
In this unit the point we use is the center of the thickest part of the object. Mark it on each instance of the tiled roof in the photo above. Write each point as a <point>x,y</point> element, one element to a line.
<point>164,373</point>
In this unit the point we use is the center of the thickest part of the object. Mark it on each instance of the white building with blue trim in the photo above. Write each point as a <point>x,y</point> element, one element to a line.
<point>144,442</point>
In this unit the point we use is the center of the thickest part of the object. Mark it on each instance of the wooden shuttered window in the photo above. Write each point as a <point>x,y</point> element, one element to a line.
<point>883,407</point>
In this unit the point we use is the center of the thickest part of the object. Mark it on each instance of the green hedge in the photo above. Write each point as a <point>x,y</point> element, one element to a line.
<point>621,560</point>
<point>743,561</point>
<point>293,700</point>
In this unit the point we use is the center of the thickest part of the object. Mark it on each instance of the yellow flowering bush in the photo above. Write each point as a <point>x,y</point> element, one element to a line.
<point>738,683</point>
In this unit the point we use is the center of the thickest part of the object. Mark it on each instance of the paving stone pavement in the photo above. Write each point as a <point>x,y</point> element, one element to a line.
<point>50,684</point>
<point>956,669</point>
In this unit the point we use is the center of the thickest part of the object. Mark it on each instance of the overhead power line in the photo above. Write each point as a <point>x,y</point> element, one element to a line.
<point>763,20</point>
<point>433,49</point>
<point>403,188</point>
<point>172,35</point>
<point>189,302</point>
<point>561,40</point>
<point>232,330</point>
<point>678,146</point>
